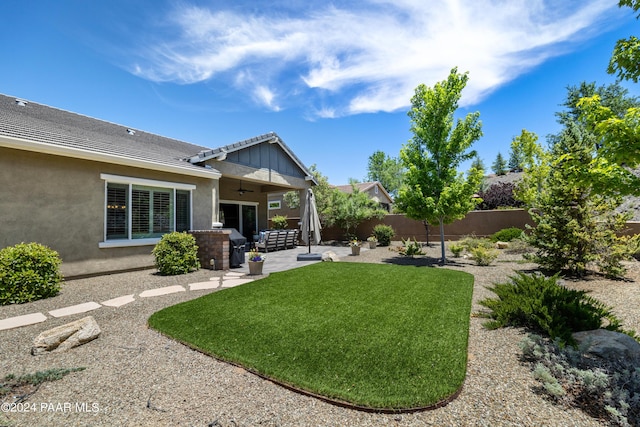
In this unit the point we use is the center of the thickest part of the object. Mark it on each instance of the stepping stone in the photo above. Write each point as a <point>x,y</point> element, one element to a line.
<point>162,291</point>
<point>230,283</point>
<point>234,274</point>
<point>75,309</point>
<point>17,321</point>
<point>203,285</point>
<point>119,302</point>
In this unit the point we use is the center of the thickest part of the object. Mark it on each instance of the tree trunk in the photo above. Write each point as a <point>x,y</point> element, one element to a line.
<point>444,259</point>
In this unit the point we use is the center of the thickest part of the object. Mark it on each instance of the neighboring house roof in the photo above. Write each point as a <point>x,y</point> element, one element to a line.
<point>364,187</point>
<point>35,127</point>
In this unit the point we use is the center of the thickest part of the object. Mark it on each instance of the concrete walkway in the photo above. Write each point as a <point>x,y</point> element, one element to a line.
<point>275,261</point>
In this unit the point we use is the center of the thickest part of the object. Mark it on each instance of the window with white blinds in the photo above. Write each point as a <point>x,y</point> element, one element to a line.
<point>137,210</point>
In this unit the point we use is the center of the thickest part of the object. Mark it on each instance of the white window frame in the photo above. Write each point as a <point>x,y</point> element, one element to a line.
<point>131,181</point>
<point>274,205</point>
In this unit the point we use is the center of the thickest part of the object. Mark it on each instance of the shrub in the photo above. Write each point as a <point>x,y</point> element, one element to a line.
<point>507,234</point>
<point>383,233</point>
<point>542,305</point>
<point>280,222</point>
<point>471,242</point>
<point>484,256</point>
<point>410,248</point>
<point>28,272</point>
<point>456,249</point>
<point>603,388</point>
<point>176,253</point>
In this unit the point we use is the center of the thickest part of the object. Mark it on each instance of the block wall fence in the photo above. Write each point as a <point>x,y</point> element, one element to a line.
<point>480,223</point>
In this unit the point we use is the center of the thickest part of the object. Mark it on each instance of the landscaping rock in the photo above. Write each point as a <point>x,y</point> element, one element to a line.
<point>65,337</point>
<point>610,345</point>
<point>330,256</point>
<point>502,245</point>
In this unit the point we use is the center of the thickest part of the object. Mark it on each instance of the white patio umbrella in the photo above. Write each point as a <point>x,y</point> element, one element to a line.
<point>310,228</point>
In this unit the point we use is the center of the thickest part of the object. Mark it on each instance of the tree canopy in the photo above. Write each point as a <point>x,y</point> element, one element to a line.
<point>625,60</point>
<point>386,170</point>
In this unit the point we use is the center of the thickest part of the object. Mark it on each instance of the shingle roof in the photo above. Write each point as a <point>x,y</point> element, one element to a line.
<point>41,124</point>
<point>363,187</point>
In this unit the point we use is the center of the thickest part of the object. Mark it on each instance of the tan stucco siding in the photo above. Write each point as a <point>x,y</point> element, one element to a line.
<point>60,202</point>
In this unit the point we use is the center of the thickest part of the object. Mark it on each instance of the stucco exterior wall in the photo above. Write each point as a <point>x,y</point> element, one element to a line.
<point>60,202</point>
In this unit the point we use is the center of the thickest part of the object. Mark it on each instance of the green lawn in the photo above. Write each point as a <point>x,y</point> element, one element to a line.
<point>374,335</point>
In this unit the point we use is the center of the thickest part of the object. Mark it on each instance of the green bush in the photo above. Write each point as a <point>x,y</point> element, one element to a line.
<point>484,256</point>
<point>176,253</point>
<point>456,249</point>
<point>542,305</point>
<point>604,388</point>
<point>383,233</point>
<point>410,248</point>
<point>471,242</point>
<point>507,234</point>
<point>28,272</point>
<point>280,222</point>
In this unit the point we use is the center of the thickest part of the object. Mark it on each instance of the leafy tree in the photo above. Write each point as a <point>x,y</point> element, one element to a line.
<point>613,96</point>
<point>386,170</point>
<point>625,60</point>
<point>433,189</point>
<point>350,209</point>
<point>292,199</point>
<point>534,164</point>
<point>498,195</point>
<point>499,166</point>
<point>613,117</point>
<point>324,194</point>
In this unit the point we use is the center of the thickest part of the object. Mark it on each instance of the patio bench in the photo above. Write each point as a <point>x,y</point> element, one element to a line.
<point>275,240</point>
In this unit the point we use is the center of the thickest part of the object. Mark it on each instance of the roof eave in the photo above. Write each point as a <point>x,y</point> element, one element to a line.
<point>76,153</point>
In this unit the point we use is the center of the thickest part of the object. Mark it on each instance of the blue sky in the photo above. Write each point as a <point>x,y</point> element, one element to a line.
<point>333,79</point>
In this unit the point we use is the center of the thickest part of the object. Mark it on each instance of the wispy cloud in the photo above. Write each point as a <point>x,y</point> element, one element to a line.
<point>367,57</point>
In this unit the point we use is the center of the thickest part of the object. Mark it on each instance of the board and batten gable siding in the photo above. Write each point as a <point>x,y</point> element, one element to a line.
<point>266,156</point>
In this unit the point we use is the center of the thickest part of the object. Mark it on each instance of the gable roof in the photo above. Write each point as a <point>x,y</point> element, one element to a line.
<point>221,153</point>
<point>364,187</point>
<point>40,128</point>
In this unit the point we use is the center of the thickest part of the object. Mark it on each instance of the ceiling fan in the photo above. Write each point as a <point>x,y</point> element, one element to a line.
<point>241,190</point>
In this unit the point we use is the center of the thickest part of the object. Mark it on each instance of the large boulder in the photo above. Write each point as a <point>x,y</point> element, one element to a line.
<point>610,345</point>
<point>65,337</point>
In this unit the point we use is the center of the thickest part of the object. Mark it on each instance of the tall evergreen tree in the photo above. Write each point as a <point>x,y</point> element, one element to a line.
<point>499,166</point>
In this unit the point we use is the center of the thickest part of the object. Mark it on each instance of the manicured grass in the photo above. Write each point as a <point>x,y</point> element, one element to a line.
<point>374,335</point>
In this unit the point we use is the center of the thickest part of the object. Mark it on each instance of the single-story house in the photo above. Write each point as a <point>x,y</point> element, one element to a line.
<point>375,190</point>
<point>102,194</point>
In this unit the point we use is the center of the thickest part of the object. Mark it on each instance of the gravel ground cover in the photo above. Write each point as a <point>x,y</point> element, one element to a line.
<point>137,377</point>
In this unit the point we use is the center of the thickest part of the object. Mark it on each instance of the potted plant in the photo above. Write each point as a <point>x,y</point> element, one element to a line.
<point>355,246</point>
<point>373,241</point>
<point>256,261</point>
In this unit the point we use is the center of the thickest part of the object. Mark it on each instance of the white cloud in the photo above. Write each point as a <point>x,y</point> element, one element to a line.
<point>368,58</point>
